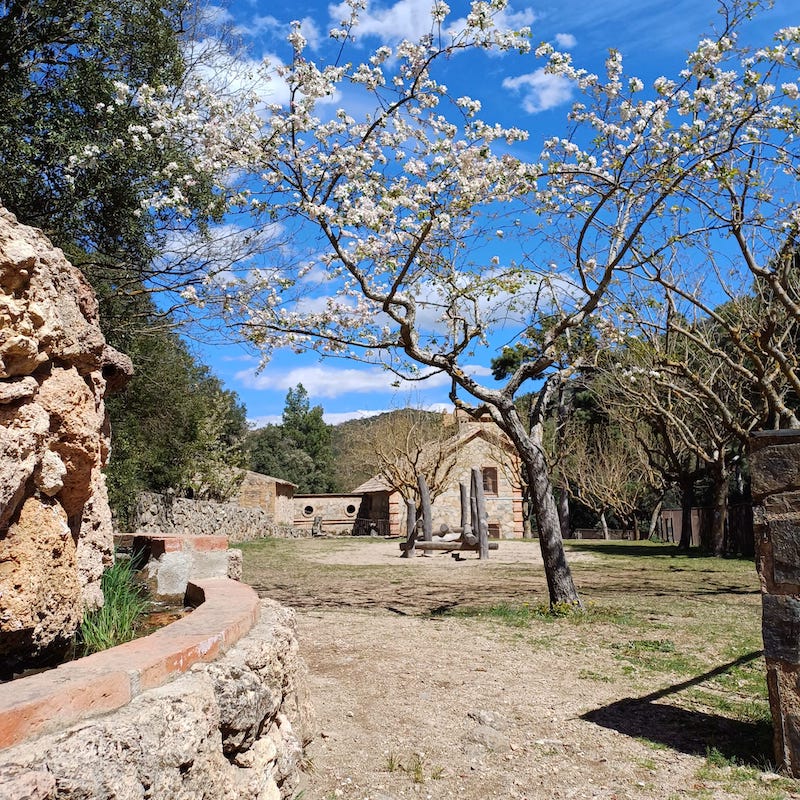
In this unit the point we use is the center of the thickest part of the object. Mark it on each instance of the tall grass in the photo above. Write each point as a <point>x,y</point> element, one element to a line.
<point>116,622</point>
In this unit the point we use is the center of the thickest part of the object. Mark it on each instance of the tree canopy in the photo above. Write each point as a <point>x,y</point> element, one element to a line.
<point>400,209</point>
<point>299,450</point>
<point>77,158</point>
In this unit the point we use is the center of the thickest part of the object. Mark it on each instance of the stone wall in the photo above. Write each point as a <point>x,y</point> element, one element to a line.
<point>231,729</point>
<point>162,514</point>
<point>775,469</point>
<point>55,523</point>
<point>336,512</point>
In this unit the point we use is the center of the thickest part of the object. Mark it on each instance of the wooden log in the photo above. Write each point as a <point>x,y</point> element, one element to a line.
<point>425,502</point>
<point>459,545</point>
<point>411,530</point>
<point>480,511</point>
<point>467,532</point>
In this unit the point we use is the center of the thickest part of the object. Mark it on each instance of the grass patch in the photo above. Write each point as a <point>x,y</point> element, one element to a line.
<point>415,768</point>
<point>117,621</point>
<point>749,782</point>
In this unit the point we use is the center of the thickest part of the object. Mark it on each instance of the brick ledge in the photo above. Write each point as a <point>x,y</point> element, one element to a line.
<point>103,682</point>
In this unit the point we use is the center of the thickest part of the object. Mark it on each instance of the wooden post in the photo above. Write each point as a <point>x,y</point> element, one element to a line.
<point>480,513</point>
<point>425,502</point>
<point>468,534</point>
<point>411,530</point>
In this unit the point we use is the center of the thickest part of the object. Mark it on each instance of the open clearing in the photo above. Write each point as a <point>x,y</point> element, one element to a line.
<point>442,679</point>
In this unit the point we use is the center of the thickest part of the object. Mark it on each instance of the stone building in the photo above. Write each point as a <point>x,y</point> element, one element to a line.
<point>273,495</point>
<point>328,513</point>
<point>476,444</point>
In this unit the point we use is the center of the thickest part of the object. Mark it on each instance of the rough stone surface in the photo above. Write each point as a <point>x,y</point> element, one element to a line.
<point>159,514</point>
<point>775,467</point>
<point>55,526</point>
<point>232,729</point>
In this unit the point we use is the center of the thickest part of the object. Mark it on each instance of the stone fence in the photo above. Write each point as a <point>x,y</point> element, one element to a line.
<point>180,516</point>
<point>213,705</point>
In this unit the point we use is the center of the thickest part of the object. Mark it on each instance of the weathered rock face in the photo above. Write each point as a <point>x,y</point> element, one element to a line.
<point>55,367</point>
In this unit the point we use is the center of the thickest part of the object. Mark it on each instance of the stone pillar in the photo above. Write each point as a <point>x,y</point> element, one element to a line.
<point>775,468</point>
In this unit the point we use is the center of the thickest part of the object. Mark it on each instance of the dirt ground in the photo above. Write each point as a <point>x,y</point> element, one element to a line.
<point>414,704</point>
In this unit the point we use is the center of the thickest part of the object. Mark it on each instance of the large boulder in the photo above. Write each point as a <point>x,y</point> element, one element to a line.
<point>55,368</point>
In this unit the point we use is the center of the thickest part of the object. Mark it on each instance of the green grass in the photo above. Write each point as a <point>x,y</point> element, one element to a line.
<point>116,622</point>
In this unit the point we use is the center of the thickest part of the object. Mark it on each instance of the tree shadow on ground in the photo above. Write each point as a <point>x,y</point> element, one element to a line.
<point>692,732</point>
<point>644,549</point>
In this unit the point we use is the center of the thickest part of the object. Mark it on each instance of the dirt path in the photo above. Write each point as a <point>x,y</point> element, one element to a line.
<point>447,708</point>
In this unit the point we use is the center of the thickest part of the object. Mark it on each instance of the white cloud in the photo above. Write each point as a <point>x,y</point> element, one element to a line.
<point>221,252</point>
<point>506,20</point>
<point>311,32</point>
<point>337,417</point>
<point>263,421</point>
<point>343,416</point>
<point>323,381</point>
<point>411,19</point>
<point>540,90</point>
<point>215,16</point>
<point>565,41</point>
<point>263,24</point>
<point>235,74</point>
<point>406,19</point>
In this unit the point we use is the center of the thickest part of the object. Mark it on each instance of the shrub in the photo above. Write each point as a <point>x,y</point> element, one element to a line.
<point>116,622</point>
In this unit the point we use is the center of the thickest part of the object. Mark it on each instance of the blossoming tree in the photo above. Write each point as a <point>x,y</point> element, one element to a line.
<point>421,236</point>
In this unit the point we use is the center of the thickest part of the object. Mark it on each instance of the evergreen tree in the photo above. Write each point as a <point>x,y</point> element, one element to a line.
<point>299,450</point>
<point>174,427</point>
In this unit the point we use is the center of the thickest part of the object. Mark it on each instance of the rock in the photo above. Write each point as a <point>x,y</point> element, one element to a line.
<point>11,391</point>
<point>55,525</point>
<point>486,738</point>
<point>40,601</point>
<point>22,784</point>
<point>52,470</point>
<point>489,718</point>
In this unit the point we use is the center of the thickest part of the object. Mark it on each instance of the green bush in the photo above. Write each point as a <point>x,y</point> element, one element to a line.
<point>116,622</point>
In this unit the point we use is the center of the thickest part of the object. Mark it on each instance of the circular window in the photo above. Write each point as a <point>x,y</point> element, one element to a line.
<point>351,509</point>
<point>308,510</point>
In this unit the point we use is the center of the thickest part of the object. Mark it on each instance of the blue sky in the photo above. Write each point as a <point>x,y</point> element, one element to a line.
<point>653,37</point>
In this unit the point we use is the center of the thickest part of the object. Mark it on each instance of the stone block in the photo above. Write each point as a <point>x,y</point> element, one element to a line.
<point>784,534</point>
<point>783,503</point>
<point>168,575</point>
<point>776,468</point>
<point>781,628</point>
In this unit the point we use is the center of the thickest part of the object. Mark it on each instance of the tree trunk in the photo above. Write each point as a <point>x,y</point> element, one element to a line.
<point>560,585</point>
<point>651,531</point>
<point>604,525</point>
<point>687,500</point>
<point>563,514</point>
<point>563,484</point>
<point>719,510</point>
